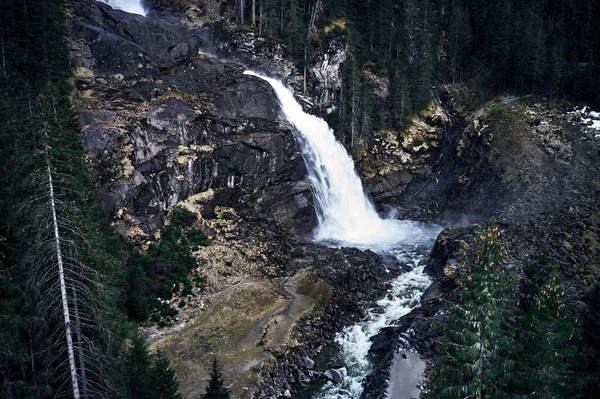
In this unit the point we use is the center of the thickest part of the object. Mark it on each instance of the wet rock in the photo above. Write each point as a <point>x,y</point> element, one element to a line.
<point>333,375</point>
<point>162,122</point>
<point>432,293</point>
<point>137,39</point>
<point>308,362</point>
<point>450,242</point>
<point>327,73</point>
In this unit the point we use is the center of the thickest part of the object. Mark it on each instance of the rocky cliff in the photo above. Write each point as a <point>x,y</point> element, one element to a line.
<point>169,119</point>
<point>166,113</point>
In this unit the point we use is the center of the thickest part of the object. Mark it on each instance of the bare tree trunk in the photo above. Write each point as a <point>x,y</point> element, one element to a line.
<point>536,63</point>
<point>402,104</point>
<point>63,288</point>
<point>3,56</point>
<point>260,18</point>
<point>318,9</point>
<point>242,12</point>
<point>281,20</point>
<point>365,121</point>
<point>282,13</point>
<point>353,119</point>
<point>454,10</point>
<point>305,68</point>
<point>253,14</point>
<point>84,390</point>
<point>31,359</point>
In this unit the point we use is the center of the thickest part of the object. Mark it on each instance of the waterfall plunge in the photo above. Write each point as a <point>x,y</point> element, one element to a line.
<point>345,214</point>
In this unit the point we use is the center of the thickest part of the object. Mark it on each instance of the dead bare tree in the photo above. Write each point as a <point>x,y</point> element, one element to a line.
<point>61,276</point>
<point>67,293</point>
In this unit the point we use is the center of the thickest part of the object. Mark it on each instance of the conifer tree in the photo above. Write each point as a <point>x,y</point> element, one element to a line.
<point>549,363</point>
<point>164,382</point>
<point>473,359</point>
<point>216,387</point>
<point>137,371</point>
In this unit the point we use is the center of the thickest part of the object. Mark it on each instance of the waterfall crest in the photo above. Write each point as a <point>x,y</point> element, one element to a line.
<point>346,216</point>
<point>131,6</point>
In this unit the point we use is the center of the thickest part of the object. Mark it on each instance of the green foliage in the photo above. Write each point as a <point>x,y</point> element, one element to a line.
<point>163,379</point>
<point>39,139</point>
<point>147,376</point>
<point>153,276</point>
<point>137,370</point>
<point>14,351</point>
<point>474,359</point>
<point>295,32</point>
<point>216,387</point>
<point>551,357</point>
<point>532,46</point>
<point>494,348</point>
<point>182,218</point>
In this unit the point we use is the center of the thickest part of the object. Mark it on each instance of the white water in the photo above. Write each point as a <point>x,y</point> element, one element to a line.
<point>346,217</point>
<point>131,6</point>
<point>345,213</point>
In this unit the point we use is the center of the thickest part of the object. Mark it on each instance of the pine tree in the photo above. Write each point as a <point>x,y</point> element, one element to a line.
<point>400,100</point>
<point>295,32</point>
<point>164,382</point>
<point>136,303</point>
<point>473,359</point>
<point>137,370</point>
<point>459,39</point>
<point>216,388</point>
<point>549,362</point>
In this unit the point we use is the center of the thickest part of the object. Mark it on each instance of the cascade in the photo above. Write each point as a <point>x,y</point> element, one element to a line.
<point>131,6</point>
<point>345,214</point>
<point>347,217</point>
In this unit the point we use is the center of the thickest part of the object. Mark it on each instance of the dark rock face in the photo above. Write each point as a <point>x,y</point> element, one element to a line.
<point>167,113</point>
<point>138,39</point>
<point>356,279</point>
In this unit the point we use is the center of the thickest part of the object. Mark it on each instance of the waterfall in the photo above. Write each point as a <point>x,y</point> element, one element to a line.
<point>346,216</point>
<point>131,6</point>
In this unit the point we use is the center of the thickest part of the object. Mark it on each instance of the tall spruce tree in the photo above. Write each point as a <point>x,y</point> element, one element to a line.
<point>138,369</point>
<point>163,379</point>
<point>474,355</point>
<point>216,387</point>
<point>550,362</point>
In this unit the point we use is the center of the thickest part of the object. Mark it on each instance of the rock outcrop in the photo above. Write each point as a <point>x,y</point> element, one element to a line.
<point>327,74</point>
<point>167,113</point>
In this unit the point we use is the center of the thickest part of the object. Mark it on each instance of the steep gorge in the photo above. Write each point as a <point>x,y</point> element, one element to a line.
<point>169,119</point>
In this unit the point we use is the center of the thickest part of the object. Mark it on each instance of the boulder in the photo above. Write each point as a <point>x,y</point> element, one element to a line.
<point>333,376</point>
<point>308,362</point>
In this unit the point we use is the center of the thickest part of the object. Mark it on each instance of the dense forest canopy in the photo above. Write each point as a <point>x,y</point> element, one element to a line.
<point>65,275</point>
<point>544,47</point>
